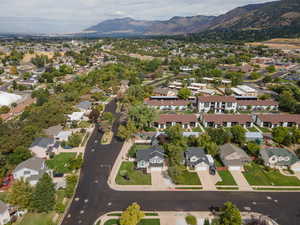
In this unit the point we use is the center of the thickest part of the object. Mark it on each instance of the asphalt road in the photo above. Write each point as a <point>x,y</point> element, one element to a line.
<point>94,198</point>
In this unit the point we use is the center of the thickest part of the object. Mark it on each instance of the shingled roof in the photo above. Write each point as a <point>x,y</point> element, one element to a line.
<point>215,98</point>
<point>220,118</point>
<point>184,118</point>
<point>279,118</point>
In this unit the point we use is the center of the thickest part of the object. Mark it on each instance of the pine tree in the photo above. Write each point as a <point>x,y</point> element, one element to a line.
<point>44,195</point>
<point>20,194</point>
<point>132,215</point>
<point>230,215</point>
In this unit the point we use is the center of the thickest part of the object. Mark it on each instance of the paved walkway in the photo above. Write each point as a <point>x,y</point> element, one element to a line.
<point>157,179</point>
<point>207,180</point>
<point>241,181</point>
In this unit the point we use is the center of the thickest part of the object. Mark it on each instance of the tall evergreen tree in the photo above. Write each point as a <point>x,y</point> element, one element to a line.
<point>44,195</point>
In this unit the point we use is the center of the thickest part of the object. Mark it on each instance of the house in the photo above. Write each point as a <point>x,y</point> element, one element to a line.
<point>76,116</point>
<point>195,158</point>
<point>4,213</point>
<point>216,104</point>
<point>63,135</point>
<point>42,146</point>
<point>164,92</point>
<point>277,120</point>
<point>84,106</point>
<point>244,90</point>
<point>151,158</point>
<point>185,120</point>
<point>176,85</point>
<point>280,158</point>
<point>233,157</point>
<point>254,136</point>
<point>168,104</point>
<point>257,105</point>
<point>31,170</point>
<point>53,131</point>
<point>226,120</point>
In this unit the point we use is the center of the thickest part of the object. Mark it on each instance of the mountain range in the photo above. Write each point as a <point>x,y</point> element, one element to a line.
<point>281,14</point>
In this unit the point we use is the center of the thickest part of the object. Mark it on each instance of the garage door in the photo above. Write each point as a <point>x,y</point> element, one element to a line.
<point>234,168</point>
<point>156,168</point>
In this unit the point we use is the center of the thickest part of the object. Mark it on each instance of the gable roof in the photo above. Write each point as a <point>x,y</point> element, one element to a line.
<point>84,105</point>
<point>220,118</point>
<point>216,98</point>
<point>42,142</point>
<point>149,153</point>
<point>257,103</point>
<point>280,118</point>
<point>167,102</point>
<point>33,163</point>
<point>231,155</point>
<point>53,131</point>
<point>198,153</point>
<point>184,118</point>
<point>279,152</point>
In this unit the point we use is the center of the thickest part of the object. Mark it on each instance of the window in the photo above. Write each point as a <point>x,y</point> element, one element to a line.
<point>229,104</point>
<point>206,104</point>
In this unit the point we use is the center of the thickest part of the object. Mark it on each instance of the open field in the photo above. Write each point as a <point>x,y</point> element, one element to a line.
<point>280,43</point>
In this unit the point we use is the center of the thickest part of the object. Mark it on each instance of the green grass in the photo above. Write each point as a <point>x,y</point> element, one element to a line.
<point>137,177</point>
<point>60,161</point>
<point>143,222</point>
<point>132,151</point>
<point>37,219</point>
<point>119,214</point>
<point>227,178</point>
<point>114,214</point>
<point>227,188</point>
<point>258,175</point>
<point>151,214</point>
<point>277,189</point>
<point>189,188</point>
<point>190,178</point>
<point>3,196</point>
<point>265,130</point>
<point>60,195</point>
<point>252,129</point>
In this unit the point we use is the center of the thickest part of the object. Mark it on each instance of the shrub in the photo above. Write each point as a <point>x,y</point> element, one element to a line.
<point>191,220</point>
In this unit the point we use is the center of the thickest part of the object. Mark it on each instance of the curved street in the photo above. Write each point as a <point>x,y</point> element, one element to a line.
<point>94,197</point>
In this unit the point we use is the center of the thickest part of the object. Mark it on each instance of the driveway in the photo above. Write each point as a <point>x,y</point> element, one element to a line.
<point>157,179</point>
<point>241,180</point>
<point>208,181</point>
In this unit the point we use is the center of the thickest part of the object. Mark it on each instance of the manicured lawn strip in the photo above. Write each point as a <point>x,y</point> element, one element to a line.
<point>227,188</point>
<point>37,219</point>
<point>252,129</point>
<point>143,222</point>
<point>60,161</point>
<point>60,195</point>
<point>137,177</point>
<point>277,189</point>
<point>189,188</point>
<point>114,214</point>
<point>227,178</point>
<point>257,175</point>
<point>146,214</point>
<point>151,214</point>
<point>190,178</point>
<point>265,130</point>
<point>3,196</point>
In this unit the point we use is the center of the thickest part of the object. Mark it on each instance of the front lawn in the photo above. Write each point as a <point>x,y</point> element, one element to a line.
<point>252,129</point>
<point>3,196</point>
<point>265,129</point>
<point>142,222</point>
<point>59,163</point>
<point>189,178</point>
<point>258,175</point>
<point>37,219</point>
<point>227,178</point>
<point>136,177</point>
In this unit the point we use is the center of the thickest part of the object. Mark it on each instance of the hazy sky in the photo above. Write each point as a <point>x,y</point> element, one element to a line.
<point>74,15</point>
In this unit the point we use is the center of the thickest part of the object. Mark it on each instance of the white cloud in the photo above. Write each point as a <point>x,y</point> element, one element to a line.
<point>93,11</point>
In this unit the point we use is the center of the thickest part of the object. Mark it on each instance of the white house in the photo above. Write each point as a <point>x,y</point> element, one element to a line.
<point>31,170</point>
<point>151,158</point>
<point>63,135</point>
<point>76,116</point>
<point>195,158</point>
<point>168,104</point>
<point>258,105</point>
<point>216,104</point>
<point>4,213</point>
<point>187,121</point>
<point>277,120</point>
<point>42,146</point>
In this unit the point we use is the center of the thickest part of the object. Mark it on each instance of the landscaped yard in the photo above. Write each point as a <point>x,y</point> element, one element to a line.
<point>136,177</point>
<point>252,129</point>
<point>59,163</point>
<point>257,175</point>
<point>265,130</point>
<point>143,222</point>
<point>3,196</point>
<point>227,178</point>
<point>132,151</point>
<point>36,219</point>
<point>190,178</point>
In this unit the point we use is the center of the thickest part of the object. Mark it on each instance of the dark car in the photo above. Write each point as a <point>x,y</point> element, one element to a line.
<point>212,170</point>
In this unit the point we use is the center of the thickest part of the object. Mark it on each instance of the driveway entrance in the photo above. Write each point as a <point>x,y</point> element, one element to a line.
<point>207,180</point>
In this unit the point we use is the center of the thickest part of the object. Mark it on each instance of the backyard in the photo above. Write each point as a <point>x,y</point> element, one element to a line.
<point>59,163</point>
<point>227,178</point>
<point>135,177</point>
<point>258,175</point>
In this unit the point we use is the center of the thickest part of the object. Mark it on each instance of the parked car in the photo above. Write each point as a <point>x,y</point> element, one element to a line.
<point>212,170</point>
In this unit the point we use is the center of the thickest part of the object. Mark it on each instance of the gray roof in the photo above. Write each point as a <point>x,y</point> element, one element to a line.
<point>33,163</point>
<point>197,152</point>
<point>3,207</point>
<point>53,131</point>
<point>84,105</point>
<point>147,154</point>
<point>42,142</point>
<point>231,155</point>
<point>254,135</point>
<point>279,152</point>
